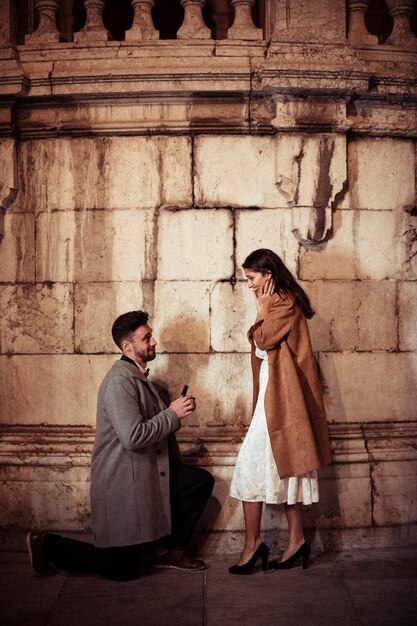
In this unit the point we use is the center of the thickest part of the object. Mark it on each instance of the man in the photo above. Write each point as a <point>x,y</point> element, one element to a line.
<point>140,490</point>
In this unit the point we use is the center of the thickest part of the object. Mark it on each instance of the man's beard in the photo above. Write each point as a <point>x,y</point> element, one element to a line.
<point>144,357</point>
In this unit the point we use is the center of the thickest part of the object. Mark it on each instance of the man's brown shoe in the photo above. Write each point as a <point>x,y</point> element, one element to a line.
<point>177,559</point>
<point>38,562</point>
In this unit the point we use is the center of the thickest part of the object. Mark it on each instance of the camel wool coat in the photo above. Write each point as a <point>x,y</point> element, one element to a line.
<point>294,407</point>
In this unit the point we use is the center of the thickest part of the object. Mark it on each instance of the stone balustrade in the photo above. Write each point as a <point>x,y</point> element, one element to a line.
<point>400,12</point>
<point>51,21</point>
<point>142,27</point>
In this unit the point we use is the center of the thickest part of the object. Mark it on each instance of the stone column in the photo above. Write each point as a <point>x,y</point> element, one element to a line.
<point>358,33</point>
<point>143,28</point>
<point>243,26</point>
<point>193,26</point>
<point>94,28</point>
<point>400,11</point>
<point>6,35</point>
<point>47,31</point>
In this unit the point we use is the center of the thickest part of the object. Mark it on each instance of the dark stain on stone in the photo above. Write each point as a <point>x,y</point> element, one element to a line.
<point>412,210</point>
<point>324,188</point>
<point>298,159</point>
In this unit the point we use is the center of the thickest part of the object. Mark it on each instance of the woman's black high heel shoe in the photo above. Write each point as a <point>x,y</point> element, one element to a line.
<point>304,551</point>
<point>262,552</point>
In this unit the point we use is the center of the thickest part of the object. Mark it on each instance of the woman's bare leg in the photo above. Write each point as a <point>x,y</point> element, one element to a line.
<point>294,513</point>
<point>252,512</point>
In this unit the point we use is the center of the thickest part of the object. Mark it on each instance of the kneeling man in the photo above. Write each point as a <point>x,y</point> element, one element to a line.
<point>140,490</point>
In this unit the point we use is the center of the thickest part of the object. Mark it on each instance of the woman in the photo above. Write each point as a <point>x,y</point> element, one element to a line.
<point>287,440</point>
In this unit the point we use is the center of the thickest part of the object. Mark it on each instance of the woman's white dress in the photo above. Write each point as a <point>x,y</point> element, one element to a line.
<point>256,478</point>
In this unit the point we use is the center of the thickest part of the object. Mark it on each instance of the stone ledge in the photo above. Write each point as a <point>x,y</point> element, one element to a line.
<point>42,445</point>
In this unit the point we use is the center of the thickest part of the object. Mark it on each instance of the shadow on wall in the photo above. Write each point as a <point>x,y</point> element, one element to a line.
<point>217,410</point>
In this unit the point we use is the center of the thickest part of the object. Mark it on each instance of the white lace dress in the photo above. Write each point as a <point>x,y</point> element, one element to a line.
<point>256,478</point>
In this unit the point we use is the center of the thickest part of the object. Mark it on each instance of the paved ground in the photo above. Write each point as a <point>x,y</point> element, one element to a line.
<point>372,587</point>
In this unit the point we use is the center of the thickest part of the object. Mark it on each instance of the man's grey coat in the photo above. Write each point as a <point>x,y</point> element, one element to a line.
<point>130,502</point>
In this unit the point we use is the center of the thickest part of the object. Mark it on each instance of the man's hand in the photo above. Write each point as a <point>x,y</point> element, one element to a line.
<point>183,406</point>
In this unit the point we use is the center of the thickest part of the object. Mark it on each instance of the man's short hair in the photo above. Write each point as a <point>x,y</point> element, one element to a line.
<point>126,324</point>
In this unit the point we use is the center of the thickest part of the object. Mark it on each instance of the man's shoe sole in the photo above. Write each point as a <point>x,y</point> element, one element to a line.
<point>183,569</point>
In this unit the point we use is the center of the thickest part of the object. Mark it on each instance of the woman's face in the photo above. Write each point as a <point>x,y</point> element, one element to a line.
<point>256,280</point>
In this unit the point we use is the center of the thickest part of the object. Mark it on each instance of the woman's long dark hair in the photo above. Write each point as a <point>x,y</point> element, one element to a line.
<point>264,260</point>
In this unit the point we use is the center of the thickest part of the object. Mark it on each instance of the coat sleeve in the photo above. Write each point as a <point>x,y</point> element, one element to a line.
<point>132,428</point>
<point>270,331</point>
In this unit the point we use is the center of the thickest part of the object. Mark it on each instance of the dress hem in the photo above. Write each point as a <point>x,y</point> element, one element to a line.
<point>275,502</point>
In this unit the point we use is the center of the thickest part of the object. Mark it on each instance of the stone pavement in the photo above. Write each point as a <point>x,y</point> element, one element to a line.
<point>371,587</point>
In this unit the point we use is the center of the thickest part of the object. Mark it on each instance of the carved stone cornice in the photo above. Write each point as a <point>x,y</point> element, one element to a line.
<point>210,87</point>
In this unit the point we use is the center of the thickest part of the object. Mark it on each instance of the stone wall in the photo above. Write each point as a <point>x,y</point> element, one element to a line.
<point>141,175</point>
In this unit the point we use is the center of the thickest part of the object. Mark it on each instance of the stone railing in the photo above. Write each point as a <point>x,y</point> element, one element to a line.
<point>398,12</point>
<point>370,24</point>
<point>141,27</point>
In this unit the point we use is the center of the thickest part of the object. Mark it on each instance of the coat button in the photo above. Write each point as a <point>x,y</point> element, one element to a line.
<point>154,408</point>
<point>162,473</point>
<point>159,452</point>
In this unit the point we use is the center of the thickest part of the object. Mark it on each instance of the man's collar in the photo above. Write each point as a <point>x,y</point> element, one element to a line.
<point>144,371</point>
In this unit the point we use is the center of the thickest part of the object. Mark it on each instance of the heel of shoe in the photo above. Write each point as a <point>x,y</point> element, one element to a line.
<point>265,557</point>
<point>262,552</point>
<point>306,555</point>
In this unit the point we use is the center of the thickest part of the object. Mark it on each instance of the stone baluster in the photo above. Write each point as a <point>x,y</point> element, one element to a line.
<point>402,35</point>
<point>243,26</point>
<point>47,31</point>
<point>193,26</point>
<point>93,29</point>
<point>143,28</point>
<point>358,33</point>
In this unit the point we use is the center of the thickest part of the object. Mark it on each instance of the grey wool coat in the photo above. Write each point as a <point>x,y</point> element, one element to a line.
<point>130,502</point>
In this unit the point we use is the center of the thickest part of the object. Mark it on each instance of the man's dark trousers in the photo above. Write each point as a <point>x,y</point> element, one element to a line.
<point>190,489</point>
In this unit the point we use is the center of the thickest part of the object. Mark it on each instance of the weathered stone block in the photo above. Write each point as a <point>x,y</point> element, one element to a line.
<point>364,245</point>
<point>408,315</point>
<point>233,311</point>
<point>94,246</point>
<point>221,383</point>
<point>336,260</point>
<point>36,319</point>
<point>299,170</point>
<point>247,179</point>
<point>114,172</point>
<point>311,169</point>
<point>377,254</point>
<point>312,114</point>
<point>53,504</point>
<point>17,248</point>
<point>368,387</point>
<point>68,395</point>
<point>96,307</point>
<point>8,179</point>
<point>345,496</point>
<point>265,229</point>
<point>381,174</point>
<point>395,486</point>
<point>181,320</point>
<point>348,315</point>
<point>334,326</point>
<point>301,20</point>
<point>195,245</point>
<point>376,314</point>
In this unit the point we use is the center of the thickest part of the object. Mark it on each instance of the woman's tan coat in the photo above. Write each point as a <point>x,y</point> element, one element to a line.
<point>293,401</point>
